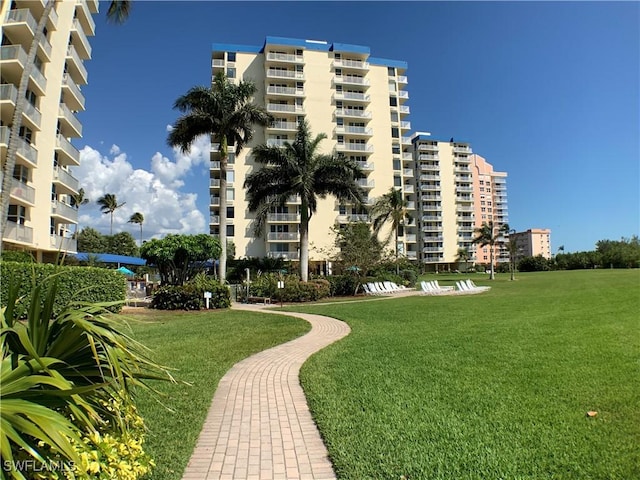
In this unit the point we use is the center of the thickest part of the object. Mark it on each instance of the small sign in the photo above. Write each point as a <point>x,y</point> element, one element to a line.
<point>280,284</point>
<point>207,294</point>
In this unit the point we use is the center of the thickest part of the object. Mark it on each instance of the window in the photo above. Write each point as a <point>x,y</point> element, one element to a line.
<point>17,214</point>
<point>231,72</point>
<point>391,71</point>
<point>26,134</point>
<point>231,194</point>
<point>340,121</point>
<point>396,164</point>
<point>231,230</point>
<point>21,173</point>
<point>394,116</point>
<point>395,149</point>
<point>393,101</point>
<point>342,210</point>
<point>392,86</point>
<point>231,56</point>
<point>397,182</point>
<point>395,133</point>
<point>231,176</point>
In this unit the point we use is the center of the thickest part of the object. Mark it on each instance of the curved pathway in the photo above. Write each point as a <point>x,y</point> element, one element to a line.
<point>259,425</point>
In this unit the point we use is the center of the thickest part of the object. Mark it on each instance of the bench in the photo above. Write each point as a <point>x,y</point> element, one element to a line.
<point>263,300</point>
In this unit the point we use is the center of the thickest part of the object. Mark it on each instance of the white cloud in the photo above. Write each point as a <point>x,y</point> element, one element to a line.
<point>156,193</point>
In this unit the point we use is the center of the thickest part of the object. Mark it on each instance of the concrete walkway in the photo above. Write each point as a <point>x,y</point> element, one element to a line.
<point>259,425</point>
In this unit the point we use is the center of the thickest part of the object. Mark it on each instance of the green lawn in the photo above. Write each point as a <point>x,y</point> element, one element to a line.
<point>201,347</point>
<point>490,386</point>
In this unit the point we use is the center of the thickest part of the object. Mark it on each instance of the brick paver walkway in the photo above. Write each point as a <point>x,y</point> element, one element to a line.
<point>259,426</point>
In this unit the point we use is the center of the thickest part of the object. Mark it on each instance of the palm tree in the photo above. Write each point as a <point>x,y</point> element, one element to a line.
<point>78,199</point>
<point>490,234</point>
<point>513,248</point>
<point>298,169</point>
<point>226,111</point>
<point>390,207</point>
<point>117,13</point>
<point>463,256</point>
<point>109,204</point>
<point>139,219</point>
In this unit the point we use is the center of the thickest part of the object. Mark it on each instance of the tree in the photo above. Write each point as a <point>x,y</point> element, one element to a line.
<point>122,243</point>
<point>624,253</point>
<point>77,200</point>
<point>490,234</point>
<point>226,111</point>
<point>359,249</point>
<point>139,219</point>
<point>180,257</point>
<point>463,256</point>
<point>513,249</point>
<point>109,204</point>
<point>298,169</point>
<point>390,207</point>
<point>117,13</point>
<point>91,241</point>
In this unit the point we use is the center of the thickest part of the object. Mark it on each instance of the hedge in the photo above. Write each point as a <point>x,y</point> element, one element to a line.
<point>75,284</point>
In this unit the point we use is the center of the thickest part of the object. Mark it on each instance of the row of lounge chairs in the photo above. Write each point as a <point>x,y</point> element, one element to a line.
<point>462,287</point>
<point>382,288</point>
<point>434,288</point>
<point>467,286</point>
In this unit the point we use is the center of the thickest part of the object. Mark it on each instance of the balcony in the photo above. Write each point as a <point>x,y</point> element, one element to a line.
<point>429,168</point>
<point>407,172</point>
<point>69,122</point>
<point>84,15</point>
<point>431,218</point>
<point>21,27</point>
<point>284,57</point>
<point>63,244</point>
<point>464,199</point>
<point>366,183</point>
<point>350,112</point>
<point>464,208</point>
<point>351,64</point>
<point>80,40</point>
<point>73,97</point>
<point>285,91</point>
<point>284,107</point>
<point>76,66</point>
<point>432,208</point>
<point>461,149</point>
<point>93,6</point>
<point>464,189</point>
<point>217,62</point>
<point>426,147</point>
<point>25,151</point>
<point>349,130</point>
<point>295,199</point>
<point>69,153</point>
<point>284,255</point>
<point>411,255</point>
<point>214,220</point>
<point>406,126</point>
<point>13,59</point>
<point>278,73</point>
<point>402,79</point>
<point>411,205</point>
<point>428,156</point>
<point>22,192</point>
<point>283,217</point>
<point>352,96</point>
<point>214,200</point>
<point>365,166</point>
<point>354,218</point>
<point>403,94</point>
<point>354,147</point>
<point>214,182</point>
<point>283,236</point>
<point>464,178</point>
<point>351,80</point>
<point>432,228</point>
<point>426,178</point>
<point>67,181</point>
<point>8,98</point>
<point>277,142</point>
<point>410,238</point>
<point>17,233</point>
<point>430,188</point>
<point>466,160</point>
<point>404,109</point>
<point>430,197</point>
<point>406,188</point>
<point>407,156</point>
<point>406,140</point>
<point>65,212</point>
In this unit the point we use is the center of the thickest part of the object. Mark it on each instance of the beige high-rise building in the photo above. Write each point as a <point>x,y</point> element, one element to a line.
<point>42,216</point>
<point>458,191</point>
<point>357,100</point>
<point>533,242</point>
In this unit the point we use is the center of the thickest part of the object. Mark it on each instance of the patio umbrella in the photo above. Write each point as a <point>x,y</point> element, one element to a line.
<point>126,271</point>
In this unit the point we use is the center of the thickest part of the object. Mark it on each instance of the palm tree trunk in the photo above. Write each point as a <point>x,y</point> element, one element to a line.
<point>140,233</point>
<point>304,241</point>
<point>397,266</point>
<point>111,229</point>
<point>222,267</point>
<point>14,138</point>
<point>491,274</point>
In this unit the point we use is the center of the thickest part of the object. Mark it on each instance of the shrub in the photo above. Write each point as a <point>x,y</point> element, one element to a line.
<point>294,290</point>
<point>191,295</point>
<point>409,276</point>
<point>75,284</point>
<point>17,256</point>
<point>342,285</point>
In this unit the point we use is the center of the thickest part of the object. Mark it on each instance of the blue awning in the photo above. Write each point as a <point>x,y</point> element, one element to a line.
<point>111,258</point>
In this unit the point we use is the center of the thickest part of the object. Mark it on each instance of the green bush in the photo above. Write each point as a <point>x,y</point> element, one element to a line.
<point>191,295</point>
<point>75,284</point>
<point>17,256</point>
<point>409,276</point>
<point>342,285</point>
<point>294,290</point>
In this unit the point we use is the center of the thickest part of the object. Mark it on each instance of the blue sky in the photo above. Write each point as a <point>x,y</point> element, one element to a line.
<point>547,91</point>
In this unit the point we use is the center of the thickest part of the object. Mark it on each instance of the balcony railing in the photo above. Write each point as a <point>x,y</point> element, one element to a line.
<point>90,25</point>
<point>428,147</point>
<point>366,166</point>
<point>407,188</point>
<point>344,63</point>
<point>402,79</point>
<point>277,90</point>
<point>352,96</point>
<point>464,189</point>
<point>277,142</point>
<point>284,126</point>
<point>363,182</point>
<point>17,233</point>
<point>406,126</point>
<point>9,92</point>
<point>284,255</point>
<point>84,48</point>
<point>403,94</point>
<point>411,205</point>
<point>283,217</point>
<point>410,237</point>
<point>283,236</point>
<point>431,218</point>
<point>66,113</point>
<point>66,179</point>
<point>429,177</point>
<point>411,255</point>
<point>63,210</point>
<point>430,188</point>
<point>72,152</point>
<point>22,191</point>
<point>352,80</point>
<point>349,112</point>
<point>68,82</point>
<point>431,197</point>
<point>17,53</point>
<point>217,62</point>
<point>23,15</point>
<point>64,244</point>
<point>279,107</point>
<point>354,218</point>
<point>276,73</point>
<point>354,147</point>
<point>404,109</point>
<point>462,150</point>
<point>284,57</point>
<point>432,239</point>
<point>428,156</point>
<point>354,130</point>
<point>77,61</point>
